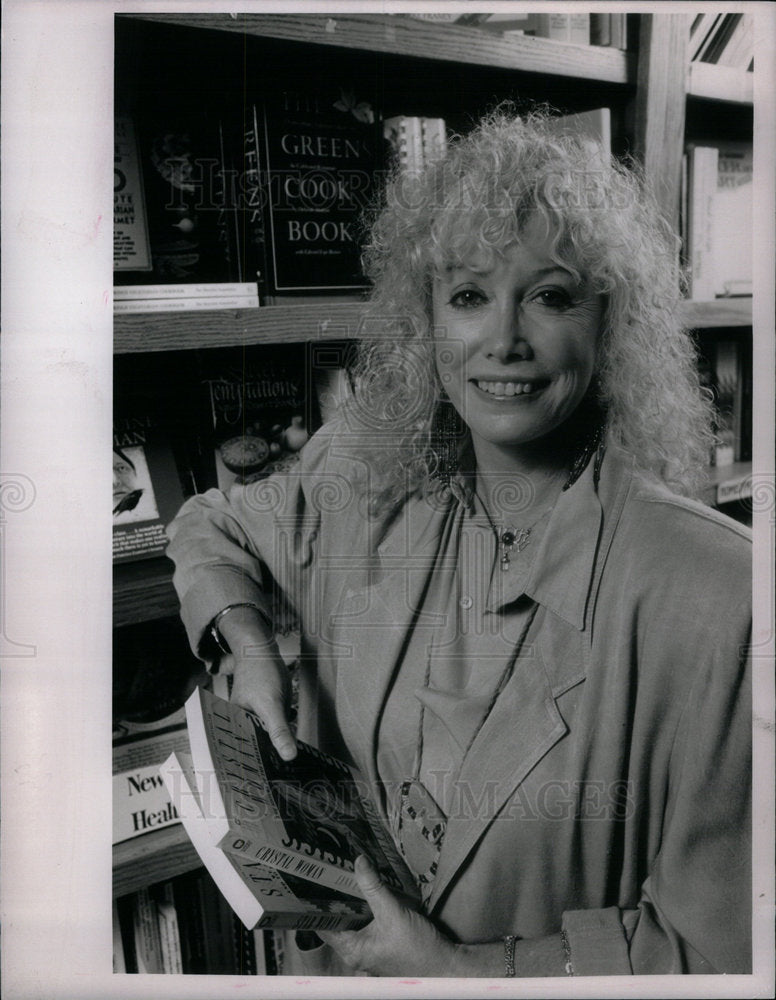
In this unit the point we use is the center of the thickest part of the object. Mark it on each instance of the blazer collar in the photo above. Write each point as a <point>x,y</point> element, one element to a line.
<point>571,552</point>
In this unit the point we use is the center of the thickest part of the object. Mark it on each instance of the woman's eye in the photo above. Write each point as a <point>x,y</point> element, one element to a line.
<point>467,298</point>
<point>554,298</point>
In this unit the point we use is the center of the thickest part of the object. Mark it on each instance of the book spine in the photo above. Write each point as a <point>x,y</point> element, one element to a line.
<point>554,26</point>
<point>119,960</point>
<point>405,136</point>
<point>188,304</point>
<point>600,29</point>
<point>169,933</point>
<point>703,182</point>
<point>131,247</point>
<point>618,32</point>
<point>434,139</point>
<point>250,846</point>
<point>579,29</point>
<point>148,945</point>
<point>122,293</point>
<point>255,192</point>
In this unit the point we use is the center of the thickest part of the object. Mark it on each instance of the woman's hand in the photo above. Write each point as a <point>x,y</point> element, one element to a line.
<point>261,681</point>
<point>398,941</point>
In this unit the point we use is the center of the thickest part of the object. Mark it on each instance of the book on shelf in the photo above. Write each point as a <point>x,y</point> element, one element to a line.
<point>723,39</point>
<point>574,28</point>
<point>259,410</point>
<point>184,925</point>
<point>169,930</point>
<point>146,935</point>
<point>183,297</point>
<point>321,150</point>
<point>131,247</point>
<point>701,30</point>
<point>416,141</point>
<point>147,489</point>
<point>119,958</point>
<point>190,197</point>
<point>738,51</point>
<point>141,802</point>
<point>725,367</point>
<point>717,227</point>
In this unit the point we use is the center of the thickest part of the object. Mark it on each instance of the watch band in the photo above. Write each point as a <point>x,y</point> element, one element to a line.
<point>215,632</point>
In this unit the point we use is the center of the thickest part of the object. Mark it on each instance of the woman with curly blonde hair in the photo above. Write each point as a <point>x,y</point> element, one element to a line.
<point>515,619</point>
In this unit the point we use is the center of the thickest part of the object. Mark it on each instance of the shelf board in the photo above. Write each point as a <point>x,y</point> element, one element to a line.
<point>405,36</point>
<point>717,313</point>
<point>152,857</point>
<point>311,321</point>
<point>226,327</point>
<point>729,482</point>
<point>720,83</point>
<point>143,591</point>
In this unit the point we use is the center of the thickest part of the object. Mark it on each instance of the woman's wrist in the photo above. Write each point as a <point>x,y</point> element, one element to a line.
<point>532,957</point>
<point>240,626</point>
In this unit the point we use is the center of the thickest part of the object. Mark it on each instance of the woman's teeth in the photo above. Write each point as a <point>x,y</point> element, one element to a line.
<point>506,388</point>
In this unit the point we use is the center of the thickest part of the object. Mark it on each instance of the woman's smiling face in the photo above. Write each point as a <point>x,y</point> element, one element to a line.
<point>515,342</point>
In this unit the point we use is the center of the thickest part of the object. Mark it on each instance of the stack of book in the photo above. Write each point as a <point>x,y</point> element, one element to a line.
<point>724,39</point>
<point>279,838</point>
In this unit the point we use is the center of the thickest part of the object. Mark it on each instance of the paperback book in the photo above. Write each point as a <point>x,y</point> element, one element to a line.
<point>260,896</point>
<point>260,822</point>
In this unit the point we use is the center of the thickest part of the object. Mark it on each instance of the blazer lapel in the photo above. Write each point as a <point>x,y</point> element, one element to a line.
<point>522,727</point>
<point>373,620</point>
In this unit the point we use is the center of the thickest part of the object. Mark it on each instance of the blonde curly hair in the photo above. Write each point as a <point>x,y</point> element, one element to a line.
<point>476,202</point>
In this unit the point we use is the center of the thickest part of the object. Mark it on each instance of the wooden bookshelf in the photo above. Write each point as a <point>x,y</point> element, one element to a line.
<point>406,36</point>
<point>152,857</point>
<point>226,327</point>
<point>718,313</point>
<point>338,321</point>
<point>720,83</point>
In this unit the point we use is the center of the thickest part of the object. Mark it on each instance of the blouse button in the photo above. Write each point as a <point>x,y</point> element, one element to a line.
<point>466,602</point>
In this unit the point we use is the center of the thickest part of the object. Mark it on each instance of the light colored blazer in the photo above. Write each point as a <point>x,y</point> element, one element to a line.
<point>608,791</point>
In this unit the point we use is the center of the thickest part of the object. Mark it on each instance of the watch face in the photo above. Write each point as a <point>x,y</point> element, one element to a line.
<point>245,454</point>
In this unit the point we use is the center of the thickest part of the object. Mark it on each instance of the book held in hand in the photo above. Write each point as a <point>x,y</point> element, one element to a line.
<point>260,896</point>
<point>260,822</point>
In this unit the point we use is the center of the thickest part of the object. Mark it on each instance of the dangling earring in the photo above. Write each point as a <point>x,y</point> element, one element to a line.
<point>593,442</point>
<point>446,439</point>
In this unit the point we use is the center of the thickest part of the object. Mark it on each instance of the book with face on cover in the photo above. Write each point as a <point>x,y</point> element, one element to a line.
<point>261,896</point>
<point>309,818</point>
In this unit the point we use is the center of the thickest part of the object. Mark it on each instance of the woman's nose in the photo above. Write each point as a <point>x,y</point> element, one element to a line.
<point>507,337</point>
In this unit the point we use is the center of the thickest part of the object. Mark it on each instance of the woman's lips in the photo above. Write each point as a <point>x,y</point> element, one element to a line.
<point>503,389</point>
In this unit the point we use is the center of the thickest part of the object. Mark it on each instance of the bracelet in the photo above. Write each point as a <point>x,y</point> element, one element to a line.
<point>215,634</point>
<point>567,951</point>
<point>509,955</point>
